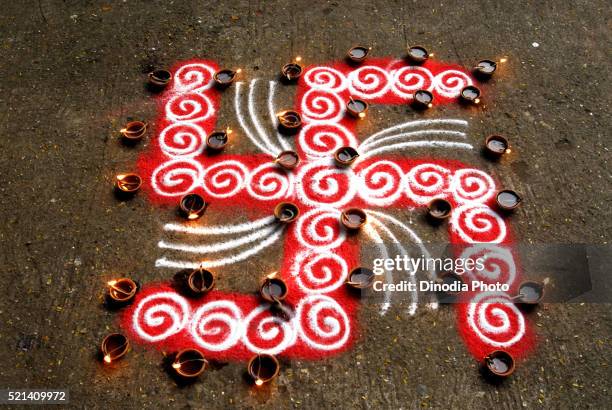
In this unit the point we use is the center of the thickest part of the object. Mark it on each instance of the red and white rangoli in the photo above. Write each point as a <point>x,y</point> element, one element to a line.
<point>321,313</point>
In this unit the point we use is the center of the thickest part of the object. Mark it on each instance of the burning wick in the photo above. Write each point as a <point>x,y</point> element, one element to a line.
<point>263,368</point>
<point>189,363</point>
<point>121,290</point>
<point>113,347</point>
<point>356,108</point>
<point>292,71</point>
<point>192,206</point>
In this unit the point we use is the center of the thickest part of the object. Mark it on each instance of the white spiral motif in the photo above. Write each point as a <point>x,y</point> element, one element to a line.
<point>267,182</point>
<point>449,83</point>
<point>427,181</point>
<point>182,139</point>
<point>265,333</point>
<point>369,82</point>
<point>160,315</point>
<point>322,140</point>
<point>478,224</point>
<point>319,105</point>
<point>225,179</point>
<point>216,325</point>
<point>472,185</point>
<point>189,107</point>
<point>408,80</point>
<point>319,272</point>
<point>380,183</point>
<point>324,325</point>
<point>498,261</point>
<point>494,318</point>
<point>320,183</point>
<point>193,77</point>
<point>325,78</point>
<point>320,229</point>
<point>177,177</point>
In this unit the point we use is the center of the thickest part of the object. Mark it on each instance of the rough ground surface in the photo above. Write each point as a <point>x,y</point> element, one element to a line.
<point>73,73</point>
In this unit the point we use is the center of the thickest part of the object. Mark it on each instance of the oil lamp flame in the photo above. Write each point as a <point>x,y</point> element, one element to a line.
<point>362,115</point>
<point>503,59</point>
<point>107,359</point>
<point>259,382</point>
<point>112,282</point>
<point>477,101</point>
<point>272,275</point>
<point>176,365</point>
<point>298,59</point>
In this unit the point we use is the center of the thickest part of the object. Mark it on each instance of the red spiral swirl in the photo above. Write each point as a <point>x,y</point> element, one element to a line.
<point>267,333</point>
<point>195,76</point>
<point>369,82</point>
<point>324,325</point>
<point>189,107</point>
<point>478,224</point>
<point>427,181</point>
<point>320,105</point>
<point>176,177</point>
<point>322,140</point>
<point>472,185</point>
<point>160,315</point>
<point>381,183</point>
<point>224,179</point>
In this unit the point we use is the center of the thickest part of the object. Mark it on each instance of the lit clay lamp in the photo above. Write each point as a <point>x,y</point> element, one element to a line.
<point>159,79</point>
<point>345,156</point>
<point>196,282</point>
<point>263,368</point>
<point>356,108</point>
<point>287,159</point>
<point>507,200</point>
<point>189,363</point>
<point>292,71</point>
<point>121,291</point>
<point>134,131</point>
<point>499,363</point>
<point>423,100</point>
<point>353,218</point>
<point>223,78</point>
<point>438,210</point>
<point>418,54</point>
<point>113,347</point>
<point>289,121</point>
<point>217,140</point>
<point>360,278</point>
<point>470,95</point>
<point>192,206</point>
<point>357,54</point>
<point>286,212</point>
<point>530,293</point>
<point>127,184</point>
<point>273,289</point>
<point>496,146</point>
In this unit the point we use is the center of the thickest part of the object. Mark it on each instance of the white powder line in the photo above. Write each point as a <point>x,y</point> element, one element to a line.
<point>219,246</point>
<point>242,122</point>
<point>373,234</point>
<point>408,135</point>
<point>255,120</point>
<point>273,119</point>
<point>221,229</point>
<point>180,264</point>
<point>413,144</point>
<point>417,123</point>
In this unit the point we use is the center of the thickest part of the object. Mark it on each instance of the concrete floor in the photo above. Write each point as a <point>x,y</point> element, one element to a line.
<point>72,75</point>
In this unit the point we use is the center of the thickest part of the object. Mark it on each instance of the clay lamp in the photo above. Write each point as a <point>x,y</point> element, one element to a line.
<point>499,363</point>
<point>263,368</point>
<point>286,212</point>
<point>189,363</point>
<point>217,140</point>
<point>289,121</point>
<point>423,99</point>
<point>113,347</point>
<point>470,94</point>
<point>439,209</point>
<point>199,281</point>
<point>530,293</point>
<point>134,130</point>
<point>273,289</point>
<point>357,54</point>
<point>485,68</point>
<point>353,218</point>
<point>507,200</point>
<point>223,78</point>
<point>192,206</point>
<point>360,278</point>
<point>159,79</point>
<point>128,184</point>
<point>496,146</point>
<point>356,108</point>
<point>345,156</point>
<point>121,291</point>
<point>418,54</point>
<point>292,71</point>
<point>287,159</point>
